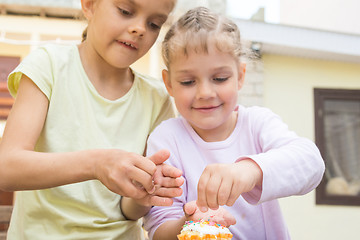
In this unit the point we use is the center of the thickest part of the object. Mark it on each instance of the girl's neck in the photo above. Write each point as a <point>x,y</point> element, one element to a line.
<point>220,133</point>
<point>110,82</point>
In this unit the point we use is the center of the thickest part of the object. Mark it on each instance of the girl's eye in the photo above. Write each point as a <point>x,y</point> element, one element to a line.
<point>154,26</point>
<point>220,79</point>
<point>187,83</point>
<point>125,12</point>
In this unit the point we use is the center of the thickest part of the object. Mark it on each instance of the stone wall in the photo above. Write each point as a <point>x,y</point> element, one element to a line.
<point>252,92</point>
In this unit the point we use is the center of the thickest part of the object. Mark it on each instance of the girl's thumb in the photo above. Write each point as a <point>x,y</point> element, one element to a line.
<point>190,208</point>
<point>160,156</point>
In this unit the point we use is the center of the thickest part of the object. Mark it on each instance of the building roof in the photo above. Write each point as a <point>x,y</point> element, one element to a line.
<point>48,3</point>
<point>272,38</point>
<point>301,42</point>
<point>52,8</point>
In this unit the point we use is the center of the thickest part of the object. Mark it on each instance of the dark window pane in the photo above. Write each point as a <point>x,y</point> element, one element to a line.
<point>337,126</point>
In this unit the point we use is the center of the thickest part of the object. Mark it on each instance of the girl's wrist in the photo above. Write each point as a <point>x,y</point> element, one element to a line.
<point>95,162</point>
<point>255,168</point>
<point>258,172</point>
<point>132,210</point>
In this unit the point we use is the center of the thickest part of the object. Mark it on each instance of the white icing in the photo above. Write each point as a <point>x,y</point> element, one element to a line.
<point>203,229</point>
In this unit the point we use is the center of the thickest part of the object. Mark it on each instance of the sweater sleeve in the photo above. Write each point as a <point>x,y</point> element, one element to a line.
<point>160,139</point>
<point>291,165</point>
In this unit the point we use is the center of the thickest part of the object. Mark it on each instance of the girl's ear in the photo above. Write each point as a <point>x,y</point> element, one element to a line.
<point>241,75</point>
<point>87,7</point>
<point>167,82</point>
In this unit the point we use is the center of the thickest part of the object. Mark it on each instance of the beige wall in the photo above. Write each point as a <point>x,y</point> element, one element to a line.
<point>151,63</point>
<point>10,50</point>
<point>19,34</point>
<point>65,28</point>
<point>288,91</point>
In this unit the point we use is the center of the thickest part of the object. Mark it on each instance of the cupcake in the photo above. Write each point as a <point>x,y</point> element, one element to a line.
<point>204,230</point>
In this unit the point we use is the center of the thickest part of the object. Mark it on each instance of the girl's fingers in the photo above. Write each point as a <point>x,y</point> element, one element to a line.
<point>190,208</point>
<point>156,173</point>
<point>169,182</point>
<point>212,191</point>
<point>229,218</point>
<point>201,200</point>
<point>160,157</point>
<point>224,191</point>
<point>142,171</point>
<point>130,189</point>
<point>170,171</point>
<point>219,220</point>
<point>160,201</point>
<point>235,193</point>
<point>143,178</point>
<point>168,192</point>
<point>143,163</point>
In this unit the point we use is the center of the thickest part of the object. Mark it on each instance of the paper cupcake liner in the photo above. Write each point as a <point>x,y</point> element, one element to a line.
<point>204,237</point>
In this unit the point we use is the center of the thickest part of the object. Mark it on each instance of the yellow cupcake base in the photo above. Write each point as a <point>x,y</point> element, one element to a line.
<point>195,236</point>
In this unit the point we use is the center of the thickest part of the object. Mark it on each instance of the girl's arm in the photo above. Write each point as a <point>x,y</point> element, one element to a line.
<point>21,168</point>
<point>169,229</point>
<point>132,210</point>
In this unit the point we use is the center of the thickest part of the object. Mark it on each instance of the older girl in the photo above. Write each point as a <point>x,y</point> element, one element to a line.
<point>76,135</point>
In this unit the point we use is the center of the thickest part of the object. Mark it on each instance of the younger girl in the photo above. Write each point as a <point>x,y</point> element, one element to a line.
<point>77,131</point>
<point>232,156</point>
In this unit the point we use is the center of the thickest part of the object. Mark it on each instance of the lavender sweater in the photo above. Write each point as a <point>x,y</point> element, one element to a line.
<point>291,165</point>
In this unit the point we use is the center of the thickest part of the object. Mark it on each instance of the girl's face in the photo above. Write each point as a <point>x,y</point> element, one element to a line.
<point>205,89</point>
<point>122,31</point>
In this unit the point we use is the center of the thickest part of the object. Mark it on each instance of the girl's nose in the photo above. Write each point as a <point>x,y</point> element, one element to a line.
<point>205,90</point>
<point>137,28</point>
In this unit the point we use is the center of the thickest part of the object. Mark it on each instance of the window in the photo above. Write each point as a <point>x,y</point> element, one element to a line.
<point>337,129</point>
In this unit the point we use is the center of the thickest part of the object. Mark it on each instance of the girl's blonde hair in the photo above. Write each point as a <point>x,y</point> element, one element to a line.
<point>194,30</point>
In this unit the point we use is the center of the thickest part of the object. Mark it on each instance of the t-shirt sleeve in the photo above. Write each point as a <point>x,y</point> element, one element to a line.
<point>291,165</point>
<point>38,66</point>
<point>167,111</point>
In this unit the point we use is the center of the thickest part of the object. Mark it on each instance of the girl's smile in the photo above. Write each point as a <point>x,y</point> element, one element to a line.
<point>205,89</point>
<point>128,44</point>
<point>207,109</point>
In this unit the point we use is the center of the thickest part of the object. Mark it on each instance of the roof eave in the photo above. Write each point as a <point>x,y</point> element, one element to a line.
<point>301,42</point>
<point>46,11</point>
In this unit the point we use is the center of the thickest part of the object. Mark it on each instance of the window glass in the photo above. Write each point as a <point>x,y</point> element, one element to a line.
<point>337,125</point>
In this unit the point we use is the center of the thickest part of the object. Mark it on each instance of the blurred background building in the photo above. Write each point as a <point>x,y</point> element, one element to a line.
<point>303,50</point>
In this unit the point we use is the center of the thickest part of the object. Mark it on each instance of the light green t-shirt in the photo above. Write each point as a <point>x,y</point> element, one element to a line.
<point>79,118</point>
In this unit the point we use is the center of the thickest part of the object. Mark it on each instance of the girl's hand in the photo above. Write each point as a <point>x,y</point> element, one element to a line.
<point>167,180</point>
<point>128,174</point>
<point>222,184</point>
<point>220,216</point>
